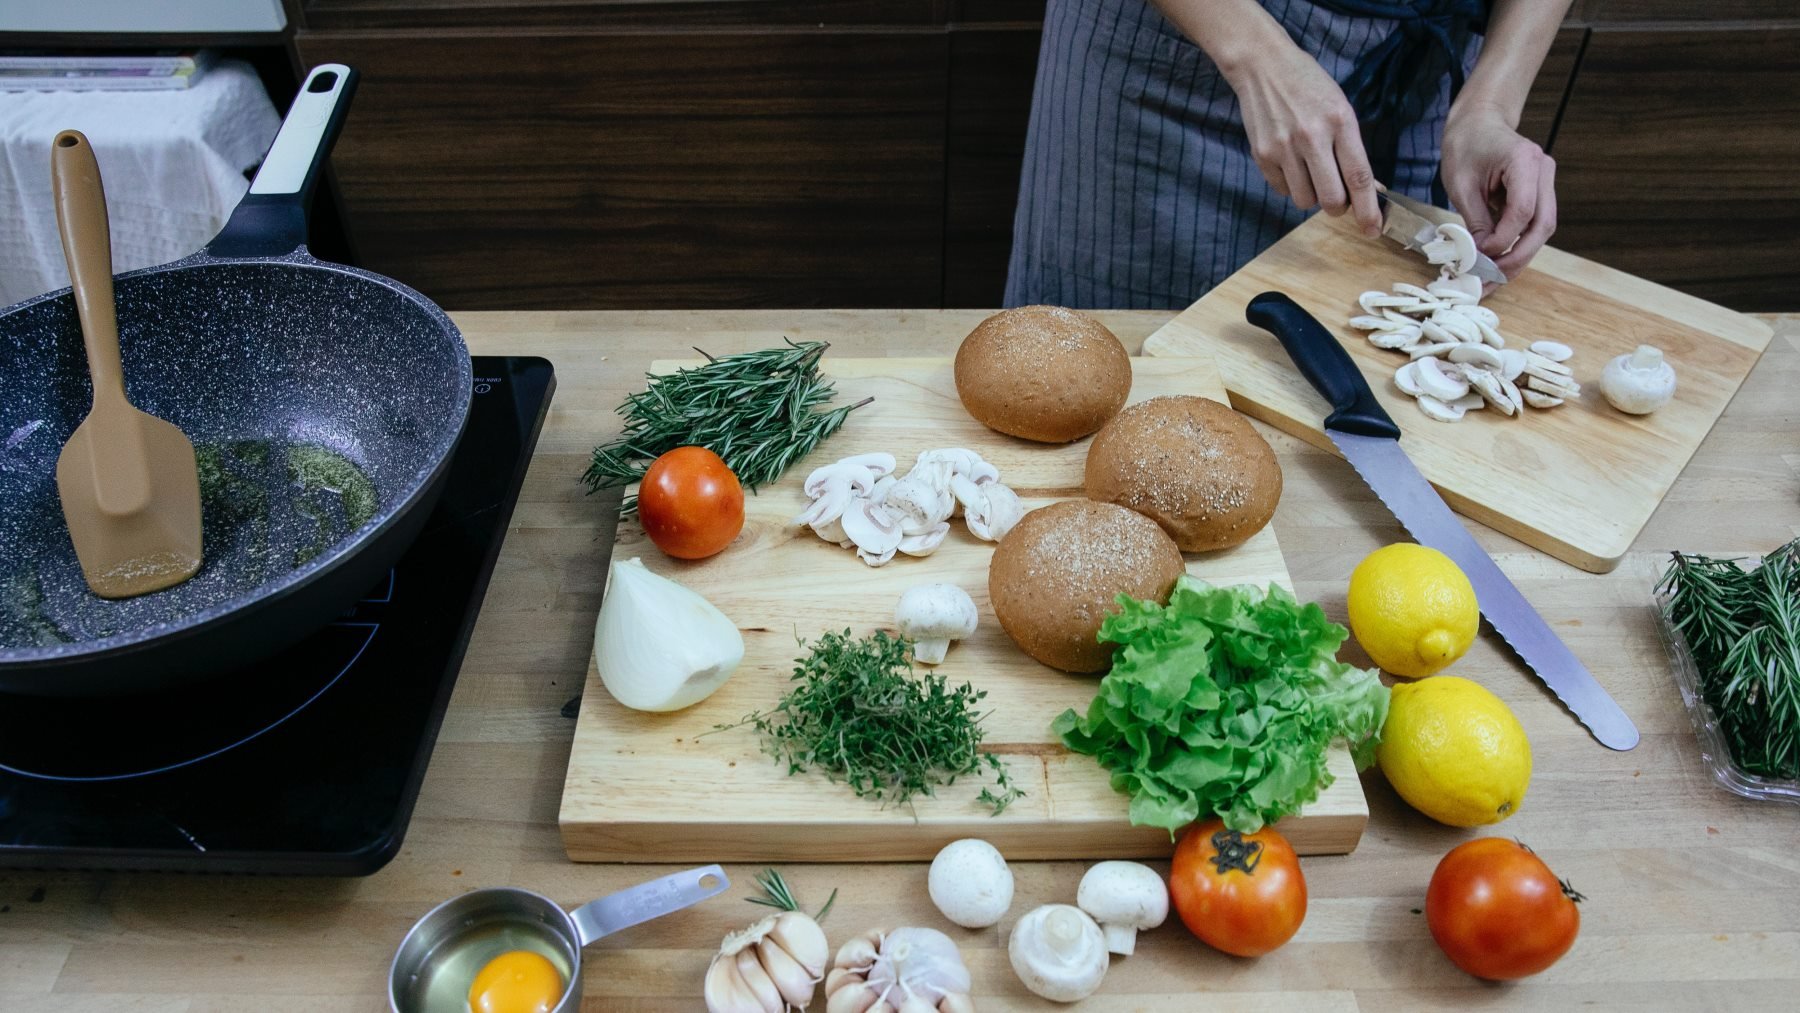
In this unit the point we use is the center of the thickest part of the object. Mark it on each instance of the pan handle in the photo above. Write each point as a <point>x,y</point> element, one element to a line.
<point>271,219</point>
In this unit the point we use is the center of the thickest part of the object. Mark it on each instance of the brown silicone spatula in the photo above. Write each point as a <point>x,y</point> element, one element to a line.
<point>129,485</point>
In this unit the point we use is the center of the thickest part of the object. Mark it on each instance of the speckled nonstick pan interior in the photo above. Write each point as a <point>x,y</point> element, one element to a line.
<point>324,403</point>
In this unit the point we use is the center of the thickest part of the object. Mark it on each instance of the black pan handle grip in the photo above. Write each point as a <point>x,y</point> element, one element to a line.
<point>1325,365</point>
<point>271,219</point>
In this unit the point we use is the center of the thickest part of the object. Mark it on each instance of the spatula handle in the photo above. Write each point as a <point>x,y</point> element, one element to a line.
<point>87,248</point>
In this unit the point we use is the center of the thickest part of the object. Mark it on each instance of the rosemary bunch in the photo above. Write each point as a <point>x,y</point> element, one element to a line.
<point>1743,628</point>
<point>857,713</point>
<point>754,409</point>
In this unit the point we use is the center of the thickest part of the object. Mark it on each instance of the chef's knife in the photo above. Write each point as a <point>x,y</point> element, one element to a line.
<point>1413,223</point>
<point>1369,439</point>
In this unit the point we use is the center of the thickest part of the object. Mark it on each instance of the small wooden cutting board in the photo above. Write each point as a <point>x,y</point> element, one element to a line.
<point>1578,481</point>
<point>648,788</point>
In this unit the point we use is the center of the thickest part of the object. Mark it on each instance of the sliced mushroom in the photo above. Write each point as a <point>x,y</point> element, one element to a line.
<point>1538,399</point>
<point>1462,289</point>
<point>1512,363</point>
<point>1479,314</point>
<point>1561,387</point>
<point>1456,325</point>
<point>1408,288</point>
<point>1546,366</point>
<point>1440,410</point>
<point>1366,322</point>
<point>1479,355</point>
<point>1470,402</point>
<point>875,532</point>
<point>1405,379</point>
<point>1373,301</point>
<point>1555,351</point>
<point>926,542</point>
<point>989,508</point>
<point>962,461</point>
<point>1432,350</point>
<point>1511,390</point>
<point>1489,385</point>
<point>1454,248</point>
<point>1434,381</point>
<point>1399,337</point>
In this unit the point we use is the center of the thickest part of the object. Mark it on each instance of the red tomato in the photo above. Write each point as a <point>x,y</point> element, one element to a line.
<point>1241,893</point>
<point>690,503</point>
<point>1498,912</point>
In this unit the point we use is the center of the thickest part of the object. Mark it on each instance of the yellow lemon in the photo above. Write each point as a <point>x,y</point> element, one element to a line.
<point>1412,609</point>
<point>1454,751</point>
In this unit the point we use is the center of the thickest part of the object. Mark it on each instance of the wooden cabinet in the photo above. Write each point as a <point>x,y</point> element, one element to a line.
<point>707,153</point>
<point>1676,157</point>
<point>647,169</point>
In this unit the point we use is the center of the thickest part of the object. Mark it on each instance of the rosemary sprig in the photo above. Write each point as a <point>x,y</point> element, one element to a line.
<point>775,894</point>
<point>1743,628</point>
<point>856,713</point>
<point>756,410</point>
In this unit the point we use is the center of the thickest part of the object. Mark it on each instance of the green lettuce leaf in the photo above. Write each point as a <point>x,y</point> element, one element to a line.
<point>1224,702</point>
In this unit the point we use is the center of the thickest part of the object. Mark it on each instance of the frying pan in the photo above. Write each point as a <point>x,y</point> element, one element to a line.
<point>323,401</point>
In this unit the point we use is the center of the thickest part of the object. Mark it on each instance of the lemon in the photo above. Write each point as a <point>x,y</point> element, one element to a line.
<point>1412,609</point>
<point>1454,751</point>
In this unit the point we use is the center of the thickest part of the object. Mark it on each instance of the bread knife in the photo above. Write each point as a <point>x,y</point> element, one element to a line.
<point>1368,438</point>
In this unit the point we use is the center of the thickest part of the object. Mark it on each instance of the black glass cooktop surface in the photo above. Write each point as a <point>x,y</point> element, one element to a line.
<point>306,763</point>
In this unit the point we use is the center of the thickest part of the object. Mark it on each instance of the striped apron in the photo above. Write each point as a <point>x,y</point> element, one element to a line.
<point>1138,190</point>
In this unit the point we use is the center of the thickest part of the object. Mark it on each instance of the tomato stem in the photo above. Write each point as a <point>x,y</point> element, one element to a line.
<point>1569,891</point>
<point>1233,852</point>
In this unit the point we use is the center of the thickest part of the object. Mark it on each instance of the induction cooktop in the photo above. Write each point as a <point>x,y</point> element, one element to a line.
<point>306,763</point>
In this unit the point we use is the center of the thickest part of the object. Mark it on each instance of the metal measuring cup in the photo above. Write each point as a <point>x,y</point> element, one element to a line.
<point>572,930</point>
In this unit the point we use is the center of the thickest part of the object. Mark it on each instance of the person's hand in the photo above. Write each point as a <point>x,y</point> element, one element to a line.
<point>1304,136</point>
<point>1503,185</point>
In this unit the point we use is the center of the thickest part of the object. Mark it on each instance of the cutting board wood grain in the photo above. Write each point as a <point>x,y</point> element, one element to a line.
<point>667,788</point>
<point>1578,481</point>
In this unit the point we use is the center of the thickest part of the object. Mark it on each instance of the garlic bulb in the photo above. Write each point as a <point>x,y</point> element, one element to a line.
<point>904,971</point>
<point>769,967</point>
<point>658,645</point>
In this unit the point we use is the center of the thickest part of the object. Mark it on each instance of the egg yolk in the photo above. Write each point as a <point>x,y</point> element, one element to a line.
<point>518,981</point>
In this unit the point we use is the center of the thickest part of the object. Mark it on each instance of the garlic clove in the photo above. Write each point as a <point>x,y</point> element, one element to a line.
<point>725,990</point>
<point>757,981</point>
<point>788,977</point>
<point>857,998</point>
<point>800,935</point>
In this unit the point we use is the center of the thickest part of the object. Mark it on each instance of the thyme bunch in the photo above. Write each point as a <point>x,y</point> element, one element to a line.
<point>856,713</point>
<point>756,410</point>
<point>1743,628</point>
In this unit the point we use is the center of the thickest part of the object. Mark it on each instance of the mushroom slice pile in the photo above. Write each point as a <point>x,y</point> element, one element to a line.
<point>1459,360</point>
<point>859,504</point>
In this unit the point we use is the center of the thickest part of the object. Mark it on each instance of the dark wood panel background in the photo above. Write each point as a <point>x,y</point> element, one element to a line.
<point>1677,156</point>
<point>991,73</point>
<point>648,170</point>
<point>590,153</point>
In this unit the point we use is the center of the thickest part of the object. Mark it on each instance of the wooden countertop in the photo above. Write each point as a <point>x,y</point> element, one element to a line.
<point>1693,894</point>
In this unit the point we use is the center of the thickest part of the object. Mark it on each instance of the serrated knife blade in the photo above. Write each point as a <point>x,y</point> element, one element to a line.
<point>1370,441</point>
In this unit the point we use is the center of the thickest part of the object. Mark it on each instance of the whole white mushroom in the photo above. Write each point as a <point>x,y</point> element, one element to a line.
<point>970,883</point>
<point>932,615</point>
<point>1058,952</point>
<point>1123,897</point>
<point>1638,382</point>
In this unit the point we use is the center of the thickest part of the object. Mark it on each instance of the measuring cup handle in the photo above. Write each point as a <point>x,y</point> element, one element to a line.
<point>645,901</point>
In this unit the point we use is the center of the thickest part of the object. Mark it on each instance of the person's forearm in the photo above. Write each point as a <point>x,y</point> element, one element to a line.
<point>1231,32</point>
<point>1518,37</point>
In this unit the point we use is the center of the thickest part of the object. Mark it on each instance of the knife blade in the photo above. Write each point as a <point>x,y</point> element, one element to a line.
<point>1413,223</point>
<point>1370,441</point>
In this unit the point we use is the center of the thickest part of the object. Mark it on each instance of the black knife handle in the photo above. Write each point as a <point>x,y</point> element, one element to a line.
<point>1325,365</point>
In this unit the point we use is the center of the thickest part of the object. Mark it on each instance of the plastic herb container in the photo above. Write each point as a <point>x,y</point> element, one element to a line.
<point>1714,752</point>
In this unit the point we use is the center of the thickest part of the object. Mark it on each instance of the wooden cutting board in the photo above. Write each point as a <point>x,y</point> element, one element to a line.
<point>1578,481</point>
<point>648,787</point>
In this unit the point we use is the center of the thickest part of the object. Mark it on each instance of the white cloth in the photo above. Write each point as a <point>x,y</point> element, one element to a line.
<point>172,163</point>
